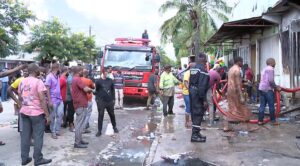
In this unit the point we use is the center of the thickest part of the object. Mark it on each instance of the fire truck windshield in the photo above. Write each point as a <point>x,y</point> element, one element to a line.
<point>127,60</point>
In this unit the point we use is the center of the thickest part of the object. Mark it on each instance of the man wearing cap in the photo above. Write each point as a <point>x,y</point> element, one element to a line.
<point>167,85</point>
<point>198,87</point>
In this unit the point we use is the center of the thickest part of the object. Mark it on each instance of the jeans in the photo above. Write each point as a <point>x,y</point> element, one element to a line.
<point>109,106</point>
<point>89,113</point>
<point>80,124</point>
<point>187,104</point>
<point>4,91</point>
<point>33,127</point>
<point>119,95</point>
<point>56,115</point>
<point>266,98</point>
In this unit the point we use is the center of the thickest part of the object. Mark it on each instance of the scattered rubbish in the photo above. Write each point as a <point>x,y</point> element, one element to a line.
<point>152,135</point>
<point>95,121</point>
<point>182,159</point>
<point>139,155</point>
<point>131,128</point>
<point>109,129</point>
<point>172,158</point>
<point>157,102</point>
<point>140,137</point>
<point>266,160</point>
<point>243,133</point>
<point>173,138</point>
<point>283,119</point>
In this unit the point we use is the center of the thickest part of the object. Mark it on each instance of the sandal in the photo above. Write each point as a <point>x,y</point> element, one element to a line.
<point>2,143</point>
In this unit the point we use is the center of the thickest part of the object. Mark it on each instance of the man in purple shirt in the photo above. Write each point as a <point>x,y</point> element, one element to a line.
<point>55,103</point>
<point>266,92</point>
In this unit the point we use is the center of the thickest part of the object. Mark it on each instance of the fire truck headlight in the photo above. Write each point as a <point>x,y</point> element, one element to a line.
<point>145,85</point>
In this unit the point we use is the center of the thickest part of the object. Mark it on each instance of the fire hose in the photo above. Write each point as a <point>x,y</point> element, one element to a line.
<point>217,99</point>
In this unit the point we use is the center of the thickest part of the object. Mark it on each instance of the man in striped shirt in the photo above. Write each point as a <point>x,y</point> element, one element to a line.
<point>119,93</point>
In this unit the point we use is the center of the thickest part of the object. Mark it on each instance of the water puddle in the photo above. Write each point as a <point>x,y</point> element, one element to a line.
<point>129,150</point>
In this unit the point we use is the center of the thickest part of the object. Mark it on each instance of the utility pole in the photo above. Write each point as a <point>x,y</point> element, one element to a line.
<point>90,30</point>
<point>90,34</point>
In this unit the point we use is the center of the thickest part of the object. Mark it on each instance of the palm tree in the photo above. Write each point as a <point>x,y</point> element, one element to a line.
<point>192,17</point>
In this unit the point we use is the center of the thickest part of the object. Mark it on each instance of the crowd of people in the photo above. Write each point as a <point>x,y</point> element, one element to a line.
<point>197,91</point>
<point>48,97</point>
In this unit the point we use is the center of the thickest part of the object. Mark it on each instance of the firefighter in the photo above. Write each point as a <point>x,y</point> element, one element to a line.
<point>198,86</point>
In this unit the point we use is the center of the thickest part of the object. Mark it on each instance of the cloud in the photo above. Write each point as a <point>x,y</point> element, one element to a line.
<point>120,18</point>
<point>38,7</point>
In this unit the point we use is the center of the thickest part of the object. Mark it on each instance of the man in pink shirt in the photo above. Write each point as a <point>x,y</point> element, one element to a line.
<point>266,92</point>
<point>33,112</point>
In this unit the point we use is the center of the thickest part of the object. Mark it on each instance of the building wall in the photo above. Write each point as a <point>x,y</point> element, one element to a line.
<point>289,17</point>
<point>287,20</point>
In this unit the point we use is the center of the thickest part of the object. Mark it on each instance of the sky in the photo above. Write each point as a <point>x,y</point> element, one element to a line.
<point>110,19</point>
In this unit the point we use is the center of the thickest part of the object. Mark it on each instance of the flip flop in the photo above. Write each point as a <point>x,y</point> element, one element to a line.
<point>2,143</point>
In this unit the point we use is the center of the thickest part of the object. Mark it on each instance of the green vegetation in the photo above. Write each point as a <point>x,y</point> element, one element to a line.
<point>13,17</point>
<point>164,59</point>
<point>53,39</point>
<point>193,24</point>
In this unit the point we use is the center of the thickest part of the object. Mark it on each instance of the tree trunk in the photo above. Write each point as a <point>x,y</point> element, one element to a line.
<point>196,39</point>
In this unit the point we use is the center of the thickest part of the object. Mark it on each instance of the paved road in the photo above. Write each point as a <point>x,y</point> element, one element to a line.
<point>118,149</point>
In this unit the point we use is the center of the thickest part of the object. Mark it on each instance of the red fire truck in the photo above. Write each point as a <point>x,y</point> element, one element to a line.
<point>136,59</point>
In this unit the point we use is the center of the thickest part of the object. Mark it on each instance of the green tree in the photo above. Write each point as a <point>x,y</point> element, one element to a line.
<point>83,47</point>
<point>164,59</point>
<point>53,39</point>
<point>13,17</point>
<point>192,17</point>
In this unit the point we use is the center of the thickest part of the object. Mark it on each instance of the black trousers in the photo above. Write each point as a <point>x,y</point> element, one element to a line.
<point>197,109</point>
<point>65,114</point>
<point>109,106</point>
<point>70,112</point>
<point>168,103</point>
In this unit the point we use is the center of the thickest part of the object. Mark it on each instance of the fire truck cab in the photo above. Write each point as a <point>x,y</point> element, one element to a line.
<point>136,59</point>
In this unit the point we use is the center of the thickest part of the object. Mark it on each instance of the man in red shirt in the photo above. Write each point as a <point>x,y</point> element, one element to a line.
<point>248,78</point>
<point>88,82</point>
<point>63,91</point>
<point>80,102</point>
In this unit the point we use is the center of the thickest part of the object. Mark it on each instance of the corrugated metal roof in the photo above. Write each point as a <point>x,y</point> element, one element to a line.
<point>235,29</point>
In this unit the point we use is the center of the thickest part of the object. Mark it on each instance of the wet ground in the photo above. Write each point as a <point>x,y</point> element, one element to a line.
<point>146,138</point>
<point>267,146</point>
<point>129,147</point>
